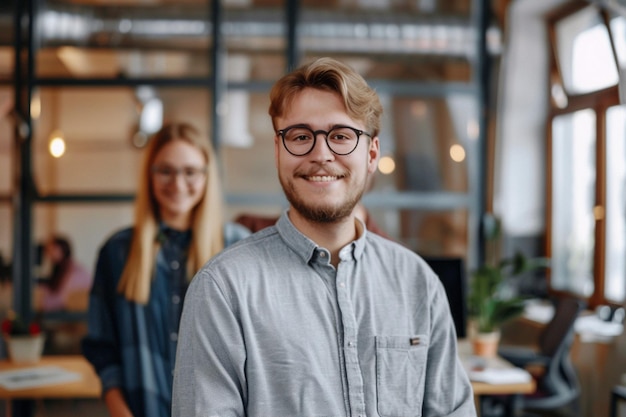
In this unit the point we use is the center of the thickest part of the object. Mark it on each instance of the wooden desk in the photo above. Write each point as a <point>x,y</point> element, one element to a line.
<point>483,388</point>
<point>20,402</point>
<point>87,387</point>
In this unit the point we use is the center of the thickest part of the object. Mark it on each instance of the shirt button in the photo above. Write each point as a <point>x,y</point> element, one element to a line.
<point>322,254</point>
<point>350,344</point>
<point>173,336</point>
<point>175,299</point>
<point>341,284</point>
<point>174,265</point>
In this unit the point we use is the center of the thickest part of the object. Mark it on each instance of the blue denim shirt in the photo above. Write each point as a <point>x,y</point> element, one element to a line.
<point>133,346</point>
<point>272,328</point>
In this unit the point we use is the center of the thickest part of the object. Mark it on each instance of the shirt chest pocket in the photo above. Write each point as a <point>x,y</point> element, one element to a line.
<point>400,374</point>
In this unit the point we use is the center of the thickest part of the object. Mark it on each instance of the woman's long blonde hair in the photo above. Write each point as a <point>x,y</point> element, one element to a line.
<point>207,236</point>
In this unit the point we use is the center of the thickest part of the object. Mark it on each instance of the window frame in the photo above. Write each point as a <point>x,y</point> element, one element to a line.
<point>599,102</point>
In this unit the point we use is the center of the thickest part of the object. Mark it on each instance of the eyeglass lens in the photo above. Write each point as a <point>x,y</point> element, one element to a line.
<point>300,140</point>
<point>167,174</point>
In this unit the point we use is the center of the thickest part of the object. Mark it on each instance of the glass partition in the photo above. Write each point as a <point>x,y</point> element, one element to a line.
<point>101,67</point>
<point>403,44</point>
<point>123,41</point>
<point>427,232</point>
<point>73,61</point>
<point>105,138</point>
<point>85,225</point>
<point>461,8</point>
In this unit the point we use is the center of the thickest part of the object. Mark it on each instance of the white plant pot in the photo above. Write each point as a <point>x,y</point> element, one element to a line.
<point>25,349</point>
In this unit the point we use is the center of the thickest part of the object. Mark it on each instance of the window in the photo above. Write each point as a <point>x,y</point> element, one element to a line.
<point>584,50</point>
<point>615,258</point>
<point>573,169</point>
<point>587,155</point>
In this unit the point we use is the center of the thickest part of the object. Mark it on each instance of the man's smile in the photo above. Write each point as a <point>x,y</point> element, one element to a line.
<point>321,178</point>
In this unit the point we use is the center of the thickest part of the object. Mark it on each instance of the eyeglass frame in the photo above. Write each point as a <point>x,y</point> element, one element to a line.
<point>175,172</point>
<point>358,132</point>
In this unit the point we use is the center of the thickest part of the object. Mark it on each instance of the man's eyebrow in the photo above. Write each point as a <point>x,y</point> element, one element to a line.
<point>308,126</point>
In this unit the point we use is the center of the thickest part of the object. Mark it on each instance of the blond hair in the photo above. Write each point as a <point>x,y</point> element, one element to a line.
<point>361,101</point>
<point>207,237</point>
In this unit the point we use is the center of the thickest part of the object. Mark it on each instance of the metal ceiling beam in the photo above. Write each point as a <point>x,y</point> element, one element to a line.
<point>182,28</point>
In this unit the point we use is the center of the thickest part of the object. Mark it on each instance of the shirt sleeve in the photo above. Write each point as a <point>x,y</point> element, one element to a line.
<point>100,345</point>
<point>448,389</point>
<point>234,232</point>
<point>209,378</point>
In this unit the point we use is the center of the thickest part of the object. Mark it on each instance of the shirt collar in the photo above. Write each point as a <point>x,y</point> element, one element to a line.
<point>306,248</point>
<point>180,238</point>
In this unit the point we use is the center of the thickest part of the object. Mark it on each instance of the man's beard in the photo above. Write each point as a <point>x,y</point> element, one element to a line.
<point>322,213</point>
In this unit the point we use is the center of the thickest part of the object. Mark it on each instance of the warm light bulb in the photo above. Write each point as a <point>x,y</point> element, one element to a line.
<point>35,107</point>
<point>457,153</point>
<point>57,145</point>
<point>386,165</point>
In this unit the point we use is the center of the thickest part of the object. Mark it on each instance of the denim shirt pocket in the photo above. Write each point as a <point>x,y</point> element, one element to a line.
<point>400,374</point>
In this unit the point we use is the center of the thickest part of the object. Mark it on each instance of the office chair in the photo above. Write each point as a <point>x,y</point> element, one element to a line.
<point>557,385</point>
<point>618,394</point>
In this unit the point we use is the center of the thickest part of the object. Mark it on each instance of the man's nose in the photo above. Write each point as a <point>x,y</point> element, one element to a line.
<point>321,150</point>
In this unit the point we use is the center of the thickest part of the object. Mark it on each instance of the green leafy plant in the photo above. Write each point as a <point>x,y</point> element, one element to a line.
<point>491,301</point>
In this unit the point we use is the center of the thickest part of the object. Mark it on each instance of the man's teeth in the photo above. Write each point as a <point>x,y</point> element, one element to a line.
<point>322,178</point>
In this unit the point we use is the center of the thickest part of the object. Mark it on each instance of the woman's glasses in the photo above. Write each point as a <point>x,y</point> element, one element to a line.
<point>167,174</point>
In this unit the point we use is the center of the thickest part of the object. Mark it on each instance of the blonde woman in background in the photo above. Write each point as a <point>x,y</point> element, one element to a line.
<point>142,272</point>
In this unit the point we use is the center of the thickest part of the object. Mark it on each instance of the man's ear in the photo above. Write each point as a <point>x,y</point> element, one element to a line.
<point>277,145</point>
<point>373,154</point>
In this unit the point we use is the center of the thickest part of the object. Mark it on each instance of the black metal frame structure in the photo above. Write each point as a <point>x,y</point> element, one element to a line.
<point>26,196</point>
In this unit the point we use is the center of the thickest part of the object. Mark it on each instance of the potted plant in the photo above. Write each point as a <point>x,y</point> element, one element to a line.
<point>492,300</point>
<point>24,341</point>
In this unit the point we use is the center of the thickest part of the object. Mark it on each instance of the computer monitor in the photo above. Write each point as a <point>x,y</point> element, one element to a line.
<point>451,272</point>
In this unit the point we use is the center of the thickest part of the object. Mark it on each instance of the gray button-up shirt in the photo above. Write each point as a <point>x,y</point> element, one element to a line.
<point>270,328</point>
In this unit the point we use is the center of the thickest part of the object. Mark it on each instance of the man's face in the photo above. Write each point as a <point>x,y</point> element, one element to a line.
<point>322,186</point>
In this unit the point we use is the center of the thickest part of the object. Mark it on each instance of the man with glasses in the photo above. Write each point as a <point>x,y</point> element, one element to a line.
<point>315,316</point>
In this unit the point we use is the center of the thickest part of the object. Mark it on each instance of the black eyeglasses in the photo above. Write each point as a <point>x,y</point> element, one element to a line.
<point>299,140</point>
